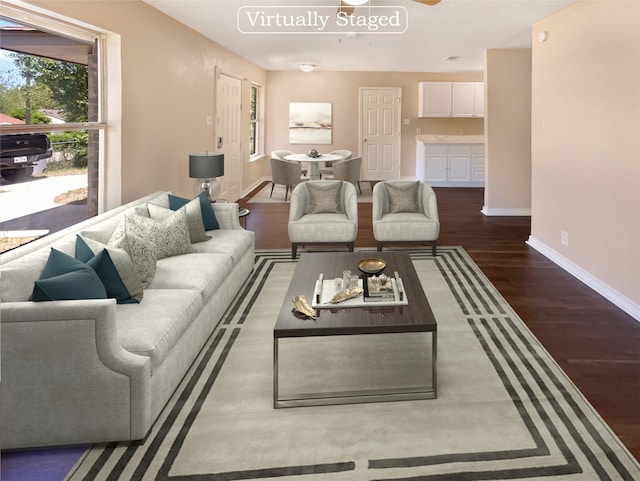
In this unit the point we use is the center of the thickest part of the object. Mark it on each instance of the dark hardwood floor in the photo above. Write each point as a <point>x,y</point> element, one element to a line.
<point>595,343</point>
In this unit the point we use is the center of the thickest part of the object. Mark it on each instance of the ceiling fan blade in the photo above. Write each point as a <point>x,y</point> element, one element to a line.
<point>428,2</point>
<point>345,8</point>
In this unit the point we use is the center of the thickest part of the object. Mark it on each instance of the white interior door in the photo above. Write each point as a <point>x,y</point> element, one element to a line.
<point>380,133</point>
<point>228,134</point>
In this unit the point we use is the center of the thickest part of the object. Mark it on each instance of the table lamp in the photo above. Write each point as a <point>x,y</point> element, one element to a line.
<point>206,167</point>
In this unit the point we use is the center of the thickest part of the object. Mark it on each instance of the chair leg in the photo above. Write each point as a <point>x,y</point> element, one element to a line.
<point>286,192</point>
<point>294,250</point>
<point>359,188</point>
<point>272,186</point>
<point>379,246</point>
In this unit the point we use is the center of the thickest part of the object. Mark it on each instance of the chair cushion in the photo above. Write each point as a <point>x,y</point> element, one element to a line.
<point>324,198</point>
<point>403,197</point>
<point>313,228</point>
<point>406,226</point>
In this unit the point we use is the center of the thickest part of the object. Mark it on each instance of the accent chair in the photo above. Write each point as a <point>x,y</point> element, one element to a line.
<point>323,212</point>
<point>405,212</point>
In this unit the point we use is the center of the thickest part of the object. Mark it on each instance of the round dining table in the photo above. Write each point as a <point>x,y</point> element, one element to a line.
<point>314,162</point>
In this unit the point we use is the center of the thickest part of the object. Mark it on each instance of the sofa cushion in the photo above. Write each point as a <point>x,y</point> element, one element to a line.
<point>404,196</point>
<point>154,326</point>
<point>233,242</point>
<point>66,278</point>
<point>171,235</point>
<point>198,272</point>
<point>208,215</point>
<point>114,267</point>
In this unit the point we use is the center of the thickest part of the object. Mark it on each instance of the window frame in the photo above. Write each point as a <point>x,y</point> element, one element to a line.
<point>256,125</point>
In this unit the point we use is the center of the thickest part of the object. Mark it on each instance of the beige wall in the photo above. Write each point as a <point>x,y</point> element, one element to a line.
<point>585,142</point>
<point>507,125</point>
<point>342,90</point>
<point>168,89</point>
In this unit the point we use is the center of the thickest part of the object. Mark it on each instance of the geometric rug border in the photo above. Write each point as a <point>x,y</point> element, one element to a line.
<point>496,331</point>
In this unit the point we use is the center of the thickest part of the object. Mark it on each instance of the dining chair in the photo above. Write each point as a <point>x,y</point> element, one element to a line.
<point>327,169</point>
<point>285,172</point>
<point>281,154</point>
<point>348,170</point>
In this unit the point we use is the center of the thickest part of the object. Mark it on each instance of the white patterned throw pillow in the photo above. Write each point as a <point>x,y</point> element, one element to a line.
<point>170,236</point>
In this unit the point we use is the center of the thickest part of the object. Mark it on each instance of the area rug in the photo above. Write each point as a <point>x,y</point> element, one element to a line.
<point>504,410</point>
<point>263,197</point>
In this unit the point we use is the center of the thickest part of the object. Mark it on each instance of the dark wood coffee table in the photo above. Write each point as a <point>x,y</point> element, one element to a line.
<point>414,317</point>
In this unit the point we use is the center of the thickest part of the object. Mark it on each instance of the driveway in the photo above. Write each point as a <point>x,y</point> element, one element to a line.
<point>35,194</point>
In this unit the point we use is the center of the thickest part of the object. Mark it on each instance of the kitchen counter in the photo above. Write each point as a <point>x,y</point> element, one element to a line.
<point>450,139</point>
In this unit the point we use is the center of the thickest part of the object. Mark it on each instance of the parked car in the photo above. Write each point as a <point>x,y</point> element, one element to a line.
<point>21,153</point>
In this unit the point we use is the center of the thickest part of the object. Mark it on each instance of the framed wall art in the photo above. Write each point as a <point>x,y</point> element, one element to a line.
<point>310,123</point>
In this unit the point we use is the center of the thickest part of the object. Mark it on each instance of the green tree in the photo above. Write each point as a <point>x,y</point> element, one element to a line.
<point>66,84</point>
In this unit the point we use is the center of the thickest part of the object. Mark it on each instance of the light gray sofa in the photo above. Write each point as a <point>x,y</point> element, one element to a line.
<point>87,371</point>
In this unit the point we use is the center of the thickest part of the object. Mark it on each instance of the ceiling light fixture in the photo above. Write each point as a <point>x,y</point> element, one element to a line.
<point>307,67</point>
<point>355,2</point>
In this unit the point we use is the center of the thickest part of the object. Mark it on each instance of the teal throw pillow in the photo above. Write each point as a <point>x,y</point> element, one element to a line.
<point>66,278</point>
<point>114,267</point>
<point>208,215</point>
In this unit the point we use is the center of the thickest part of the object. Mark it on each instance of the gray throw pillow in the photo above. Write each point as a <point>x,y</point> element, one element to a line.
<point>194,218</point>
<point>403,197</point>
<point>325,198</point>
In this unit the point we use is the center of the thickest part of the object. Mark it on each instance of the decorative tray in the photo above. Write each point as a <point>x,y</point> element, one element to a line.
<point>325,290</point>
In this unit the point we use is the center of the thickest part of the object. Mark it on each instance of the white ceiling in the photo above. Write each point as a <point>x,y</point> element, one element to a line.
<point>459,28</point>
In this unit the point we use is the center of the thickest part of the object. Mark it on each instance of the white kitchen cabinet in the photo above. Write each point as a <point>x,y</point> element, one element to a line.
<point>477,163</point>
<point>451,99</point>
<point>450,165</point>
<point>434,99</point>
<point>467,99</point>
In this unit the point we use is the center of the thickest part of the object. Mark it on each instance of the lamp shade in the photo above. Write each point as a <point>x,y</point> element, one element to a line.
<point>206,165</point>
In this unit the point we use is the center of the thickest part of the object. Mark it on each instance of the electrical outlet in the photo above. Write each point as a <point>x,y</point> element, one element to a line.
<point>209,120</point>
<point>564,238</point>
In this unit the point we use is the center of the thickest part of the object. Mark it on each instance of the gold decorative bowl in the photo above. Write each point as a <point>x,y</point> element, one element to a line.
<point>371,266</point>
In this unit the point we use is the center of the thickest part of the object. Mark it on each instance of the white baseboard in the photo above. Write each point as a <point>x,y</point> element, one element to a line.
<point>256,184</point>
<point>621,301</point>
<point>519,212</point>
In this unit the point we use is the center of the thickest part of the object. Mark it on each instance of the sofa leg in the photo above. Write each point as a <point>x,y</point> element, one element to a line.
<point>433,248</point>
<point>351,246</point>
<point>294,250</point>
<point>379,246</point>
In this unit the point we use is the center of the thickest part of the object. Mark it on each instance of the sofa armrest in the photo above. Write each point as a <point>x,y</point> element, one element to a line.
<point>227,215</point>
<point>66,377</point>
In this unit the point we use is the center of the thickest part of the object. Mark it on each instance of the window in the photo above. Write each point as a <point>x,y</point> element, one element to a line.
<point>71,54</point>
<point>255,126</point>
